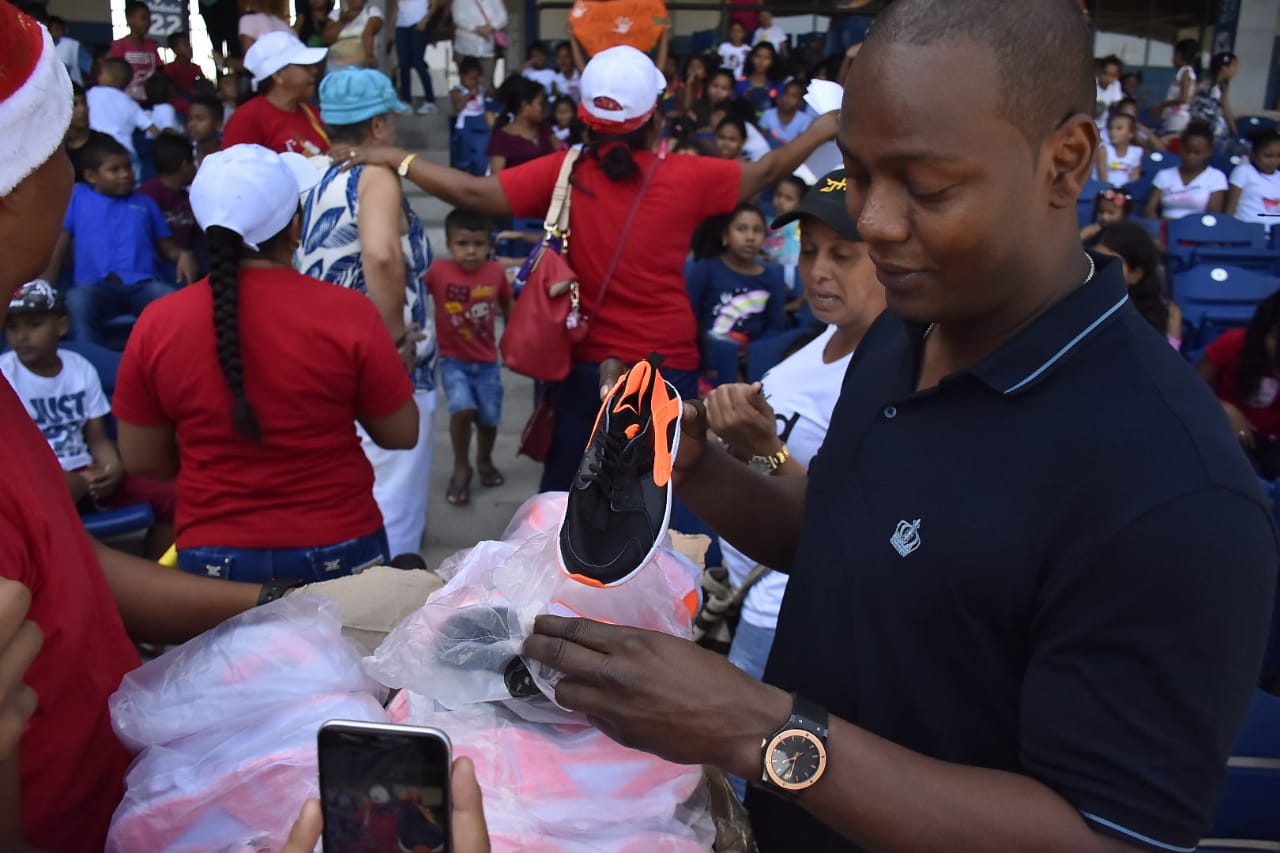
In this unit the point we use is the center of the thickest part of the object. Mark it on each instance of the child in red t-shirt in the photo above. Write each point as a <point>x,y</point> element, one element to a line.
<point>468,291</point>
<point>1239,366</point>
<point>142,54</point>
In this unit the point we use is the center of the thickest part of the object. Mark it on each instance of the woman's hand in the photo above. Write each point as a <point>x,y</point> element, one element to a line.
<point>367,155</point>
<point>1240,425</point>
<point>740,415</point>
<point>408,346</point>
<point>484,30</point>
<point>103,479</point>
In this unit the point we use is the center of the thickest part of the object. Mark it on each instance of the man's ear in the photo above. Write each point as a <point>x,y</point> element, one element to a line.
<point>64,325</point>
<point>1070,152</point>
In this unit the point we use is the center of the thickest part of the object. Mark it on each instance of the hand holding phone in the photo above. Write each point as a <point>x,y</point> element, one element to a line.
<point>384,788</point>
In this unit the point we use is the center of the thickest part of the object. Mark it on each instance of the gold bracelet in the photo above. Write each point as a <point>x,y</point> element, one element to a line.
<point>403,170</point>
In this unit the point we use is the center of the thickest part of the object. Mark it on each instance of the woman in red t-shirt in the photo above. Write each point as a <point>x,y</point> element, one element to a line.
<point>1241,368</point>
<point>646,307</point>
<point>246,387</point>
<point>279,117</point>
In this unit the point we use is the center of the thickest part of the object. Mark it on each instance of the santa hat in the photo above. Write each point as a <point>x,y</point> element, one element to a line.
<point>35,97</point>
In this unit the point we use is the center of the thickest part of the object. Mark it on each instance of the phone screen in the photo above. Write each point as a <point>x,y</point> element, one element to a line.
<point>384,788</point>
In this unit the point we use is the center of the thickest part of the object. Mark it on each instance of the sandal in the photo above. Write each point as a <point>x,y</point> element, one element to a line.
<point>491,477</point>
<point>459,494</point>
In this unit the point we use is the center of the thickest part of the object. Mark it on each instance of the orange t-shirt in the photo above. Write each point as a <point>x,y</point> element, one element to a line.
<point>601,24</point>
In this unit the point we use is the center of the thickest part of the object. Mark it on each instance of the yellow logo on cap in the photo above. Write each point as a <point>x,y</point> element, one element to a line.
<point>834,185</point>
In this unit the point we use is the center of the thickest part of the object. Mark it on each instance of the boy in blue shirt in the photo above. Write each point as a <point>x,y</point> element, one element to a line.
<point>118,235</point>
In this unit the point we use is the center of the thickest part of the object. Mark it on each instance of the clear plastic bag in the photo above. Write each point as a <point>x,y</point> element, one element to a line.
<point>570,789</point>
<point>456,648</point>
<point>226,727</point>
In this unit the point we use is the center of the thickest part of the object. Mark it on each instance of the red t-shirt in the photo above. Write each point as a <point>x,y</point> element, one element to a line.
<point>466,303</point>
<point>72,766</point>
<point>1263,408</point>
<point>260,122</point>
<point>316,357</point>
<point>144,59</point>
<point>646,308</point>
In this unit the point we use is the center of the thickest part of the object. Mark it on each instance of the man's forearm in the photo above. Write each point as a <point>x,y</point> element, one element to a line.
<point>885,797</point>
<point>760,515</point>
<point>161,605</point>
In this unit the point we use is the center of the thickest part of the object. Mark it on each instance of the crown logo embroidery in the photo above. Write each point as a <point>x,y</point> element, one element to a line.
<point>622,25</point>
<point>906,538</point>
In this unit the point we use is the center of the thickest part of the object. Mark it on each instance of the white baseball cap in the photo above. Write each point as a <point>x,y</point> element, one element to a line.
<point>620,89</point>
<point>277,49</point>
<point>251,190</point>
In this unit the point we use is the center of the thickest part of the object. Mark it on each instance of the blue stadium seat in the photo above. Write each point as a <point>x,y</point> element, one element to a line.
<point>1087,200</point>
<point>703,41</point>
<point>766,352</point>
<point>1190,233</point>
<point>1139,191</point>
<point>681,46</point>
<point>1157,160</point>
<point>1226,163</point>
<point>1154,227</point>
<point>1216,298</point>
<point>1248,809</point>
<point>1246,125</point>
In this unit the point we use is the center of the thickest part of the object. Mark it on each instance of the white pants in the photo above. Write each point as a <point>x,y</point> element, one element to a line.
<point>401,480</point>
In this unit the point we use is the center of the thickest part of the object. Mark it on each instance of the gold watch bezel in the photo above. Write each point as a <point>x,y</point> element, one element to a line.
<point>772,744</point>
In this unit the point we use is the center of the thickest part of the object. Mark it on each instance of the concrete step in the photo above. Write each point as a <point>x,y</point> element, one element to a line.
<point>451,528</point>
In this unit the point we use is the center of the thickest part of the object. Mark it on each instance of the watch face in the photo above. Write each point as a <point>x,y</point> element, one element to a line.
<point>796,759</point>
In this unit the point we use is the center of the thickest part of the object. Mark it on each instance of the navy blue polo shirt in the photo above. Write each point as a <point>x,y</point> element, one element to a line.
<point>1057,563</point>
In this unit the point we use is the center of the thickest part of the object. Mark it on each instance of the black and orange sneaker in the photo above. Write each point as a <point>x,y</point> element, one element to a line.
<point>620,500</point>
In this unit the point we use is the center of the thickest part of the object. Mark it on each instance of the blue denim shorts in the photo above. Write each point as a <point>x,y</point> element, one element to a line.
<point>472,386</point>
<point>258,565</point>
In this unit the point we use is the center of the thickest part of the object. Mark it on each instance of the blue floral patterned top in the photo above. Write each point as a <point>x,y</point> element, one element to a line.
<point>330,251</point>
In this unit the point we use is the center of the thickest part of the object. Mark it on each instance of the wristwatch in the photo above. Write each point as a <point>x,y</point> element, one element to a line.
<point>795,757</point>
<point>771,463</point>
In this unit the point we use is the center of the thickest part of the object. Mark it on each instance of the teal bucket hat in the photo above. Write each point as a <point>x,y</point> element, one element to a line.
<point>353,95</point>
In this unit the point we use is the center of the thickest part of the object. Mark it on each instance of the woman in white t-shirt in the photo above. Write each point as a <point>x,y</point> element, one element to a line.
<point>1193,186</point>
<point>476,22</point>
<point>779,424</point>
<point>358,25</point>
<point>1175,110</point>
<point>1254,194</point>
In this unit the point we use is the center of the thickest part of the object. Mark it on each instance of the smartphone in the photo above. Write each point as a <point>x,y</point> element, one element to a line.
<point>384,787</point>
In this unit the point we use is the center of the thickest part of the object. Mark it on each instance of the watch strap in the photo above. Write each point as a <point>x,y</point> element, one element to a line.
<point>809,716</point>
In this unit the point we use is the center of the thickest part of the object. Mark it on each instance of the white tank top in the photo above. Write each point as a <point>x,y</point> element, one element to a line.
<point>1117,170</point>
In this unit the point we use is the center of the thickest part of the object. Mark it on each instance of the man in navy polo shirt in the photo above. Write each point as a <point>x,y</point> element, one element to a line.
<point>1031,572</point>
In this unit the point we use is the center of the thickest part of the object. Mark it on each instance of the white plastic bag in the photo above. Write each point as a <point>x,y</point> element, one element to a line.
<point>226,725</point>
<point>456,648</point>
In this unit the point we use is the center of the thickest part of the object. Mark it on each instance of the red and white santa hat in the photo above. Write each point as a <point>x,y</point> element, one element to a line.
<point>35,97</point>
<point>620,89</point>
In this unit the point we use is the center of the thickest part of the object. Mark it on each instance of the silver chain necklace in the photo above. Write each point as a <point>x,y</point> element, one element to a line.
<point>1088,278</point>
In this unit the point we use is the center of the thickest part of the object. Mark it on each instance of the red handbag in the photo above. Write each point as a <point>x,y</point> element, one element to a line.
<point>547,319</point>
<point>537,341</point>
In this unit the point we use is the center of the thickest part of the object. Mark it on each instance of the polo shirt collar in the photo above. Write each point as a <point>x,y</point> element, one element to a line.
<point>1034,353</point>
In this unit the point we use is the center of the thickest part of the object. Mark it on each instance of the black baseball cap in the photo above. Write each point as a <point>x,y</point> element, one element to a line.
<point>37,297</point>
<point>825,201</point>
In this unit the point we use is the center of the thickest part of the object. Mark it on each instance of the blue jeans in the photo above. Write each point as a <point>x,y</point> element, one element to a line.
<point>411,51</point>
<point>473,386</point>
<point>258,565</point>
<point>576,401</point>
<point>91,306</point>
<point>845,32</point>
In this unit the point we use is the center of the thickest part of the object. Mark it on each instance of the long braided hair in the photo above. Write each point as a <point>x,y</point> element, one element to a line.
<point>1256,358</point>
<point>226,248</point>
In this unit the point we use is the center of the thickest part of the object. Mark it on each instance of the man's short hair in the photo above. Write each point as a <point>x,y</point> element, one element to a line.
<point>460,219</point>
<point>121,72</point>
<point>54,21</point>
<point>171,152</point>
<point>176,39</point>
<point>469,64</point>
<point>1110,59</point>
<point>135,6</point>
<point>98,149</point>
<point>1042,48</point>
